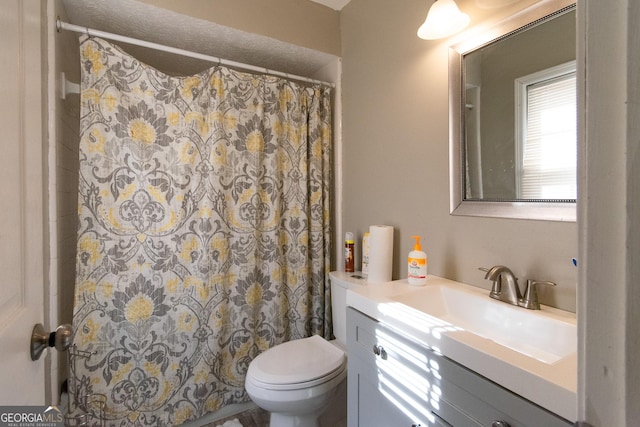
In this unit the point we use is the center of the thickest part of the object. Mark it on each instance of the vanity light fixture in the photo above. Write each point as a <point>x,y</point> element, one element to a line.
<point>444,19</point>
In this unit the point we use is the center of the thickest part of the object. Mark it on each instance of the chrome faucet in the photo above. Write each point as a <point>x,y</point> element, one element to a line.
<point>505,288</point>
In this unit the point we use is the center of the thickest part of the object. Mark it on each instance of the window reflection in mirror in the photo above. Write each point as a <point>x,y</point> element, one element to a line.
<point>546,130</point>
<point>519,115</point>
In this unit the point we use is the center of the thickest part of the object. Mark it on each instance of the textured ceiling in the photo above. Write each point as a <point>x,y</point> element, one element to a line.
<point>143,21</point>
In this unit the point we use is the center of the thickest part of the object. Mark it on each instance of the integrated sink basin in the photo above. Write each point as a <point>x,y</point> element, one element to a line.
<point>543,335</point>
<point>532,353</point>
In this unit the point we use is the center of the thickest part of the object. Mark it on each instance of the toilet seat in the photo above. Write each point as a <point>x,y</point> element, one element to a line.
<point>297,364</point>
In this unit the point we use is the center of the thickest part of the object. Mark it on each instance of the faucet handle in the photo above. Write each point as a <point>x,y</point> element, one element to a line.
<point>530,299</point>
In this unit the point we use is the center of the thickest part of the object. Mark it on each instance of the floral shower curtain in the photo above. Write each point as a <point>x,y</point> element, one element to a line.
<point>203,236</point>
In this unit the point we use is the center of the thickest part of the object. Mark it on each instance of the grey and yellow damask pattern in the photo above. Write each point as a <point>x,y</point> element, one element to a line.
<point>204,232</point>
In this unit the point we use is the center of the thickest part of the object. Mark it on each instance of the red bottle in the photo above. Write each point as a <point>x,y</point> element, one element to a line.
<point>349,253</point>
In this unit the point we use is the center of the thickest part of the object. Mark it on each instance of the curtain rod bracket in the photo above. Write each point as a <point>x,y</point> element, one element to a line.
<point>67,87</point>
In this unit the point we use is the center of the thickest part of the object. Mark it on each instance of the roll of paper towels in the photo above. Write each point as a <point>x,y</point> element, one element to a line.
<point>380,253</point>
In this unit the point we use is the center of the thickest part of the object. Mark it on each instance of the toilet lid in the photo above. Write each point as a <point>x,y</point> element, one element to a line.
<point>297,361</point>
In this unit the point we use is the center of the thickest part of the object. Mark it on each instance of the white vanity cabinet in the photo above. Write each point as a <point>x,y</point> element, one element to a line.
<point>395,381</point>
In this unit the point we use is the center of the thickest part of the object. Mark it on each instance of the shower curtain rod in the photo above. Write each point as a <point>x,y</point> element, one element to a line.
<point>61,25</point>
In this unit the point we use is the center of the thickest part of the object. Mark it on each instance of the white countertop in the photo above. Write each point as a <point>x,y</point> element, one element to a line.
<point>550,385</point>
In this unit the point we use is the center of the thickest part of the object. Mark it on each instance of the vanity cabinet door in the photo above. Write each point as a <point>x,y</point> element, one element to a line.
<point>367,403</point>
<point>373,408</point>
<point>394,381</point>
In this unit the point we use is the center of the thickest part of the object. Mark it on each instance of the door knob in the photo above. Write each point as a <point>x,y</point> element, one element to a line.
<point>61,339</point>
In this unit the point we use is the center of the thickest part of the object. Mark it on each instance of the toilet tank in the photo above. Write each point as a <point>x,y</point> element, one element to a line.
<point>340,283</point>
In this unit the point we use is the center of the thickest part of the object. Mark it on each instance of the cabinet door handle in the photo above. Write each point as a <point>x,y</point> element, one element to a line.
<point>379,350</point>
<point>383,353</point>
<point>500,424</point>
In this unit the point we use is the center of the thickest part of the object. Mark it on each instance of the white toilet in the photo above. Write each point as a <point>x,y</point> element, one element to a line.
<point>297,381</point>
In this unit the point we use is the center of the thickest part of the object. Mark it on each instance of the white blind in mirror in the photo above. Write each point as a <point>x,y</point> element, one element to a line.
<point>548,168</point>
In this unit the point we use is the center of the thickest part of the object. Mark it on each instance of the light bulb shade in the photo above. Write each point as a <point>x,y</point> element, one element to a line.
<point>444,19</point>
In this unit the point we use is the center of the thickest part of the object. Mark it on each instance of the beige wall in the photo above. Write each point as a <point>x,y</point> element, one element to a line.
<point>396,155</point>
<point>303,23</point>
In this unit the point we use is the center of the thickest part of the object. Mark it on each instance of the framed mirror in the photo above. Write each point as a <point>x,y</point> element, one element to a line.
<point>512,117</point>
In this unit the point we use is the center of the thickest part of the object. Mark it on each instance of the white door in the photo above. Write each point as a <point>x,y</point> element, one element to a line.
<point>22,214</point>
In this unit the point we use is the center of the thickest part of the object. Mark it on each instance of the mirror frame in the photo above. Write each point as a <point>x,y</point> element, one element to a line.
<point>549,211</point>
